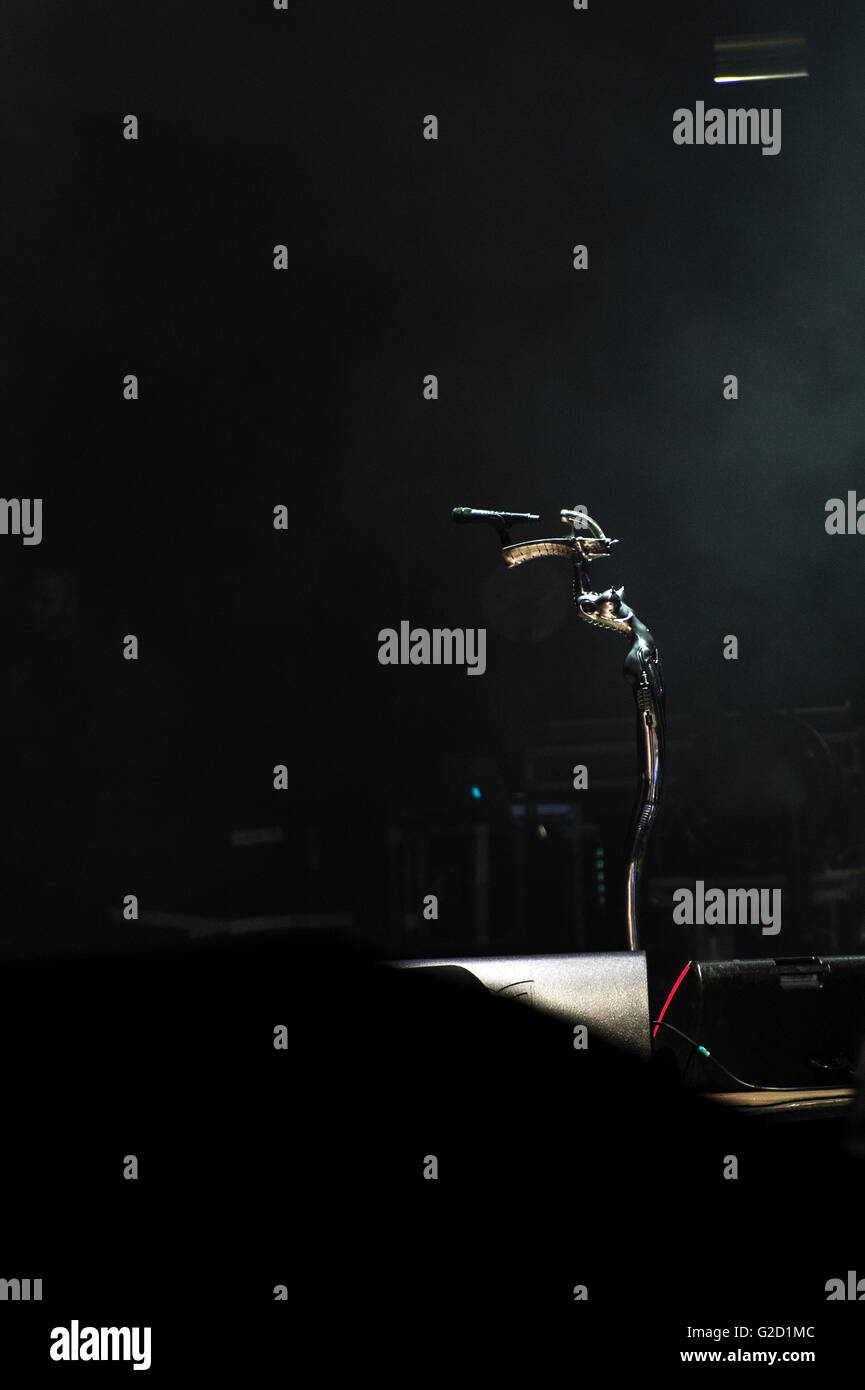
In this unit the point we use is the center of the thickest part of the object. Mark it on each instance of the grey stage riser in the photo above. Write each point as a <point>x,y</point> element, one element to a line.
<point>607,991</point>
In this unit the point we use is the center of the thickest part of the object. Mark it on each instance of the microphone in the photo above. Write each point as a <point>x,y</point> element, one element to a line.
<point>505,519</point>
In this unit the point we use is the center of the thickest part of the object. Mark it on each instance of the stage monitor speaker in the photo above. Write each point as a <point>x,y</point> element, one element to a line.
<point>797,1021</point>
<point>607,991</point>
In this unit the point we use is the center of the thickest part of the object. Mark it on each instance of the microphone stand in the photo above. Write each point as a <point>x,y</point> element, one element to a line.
<point>642,667</point>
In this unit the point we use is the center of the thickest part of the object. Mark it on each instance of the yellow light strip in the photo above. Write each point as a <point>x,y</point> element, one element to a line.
<point>760,77</point>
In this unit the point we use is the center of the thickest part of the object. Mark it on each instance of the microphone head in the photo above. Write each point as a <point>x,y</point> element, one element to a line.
<point>494,518</point>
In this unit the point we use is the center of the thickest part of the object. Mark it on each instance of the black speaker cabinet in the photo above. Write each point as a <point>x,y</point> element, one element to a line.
<point>795,1021</point>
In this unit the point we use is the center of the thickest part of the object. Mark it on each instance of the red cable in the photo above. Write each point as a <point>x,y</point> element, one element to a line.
<point>670,996</point>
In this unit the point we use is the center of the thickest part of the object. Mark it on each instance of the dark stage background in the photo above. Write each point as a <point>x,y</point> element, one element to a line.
<point>303,387</point>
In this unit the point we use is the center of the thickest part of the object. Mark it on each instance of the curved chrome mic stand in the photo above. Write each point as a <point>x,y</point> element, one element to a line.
<point>642,668</point>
